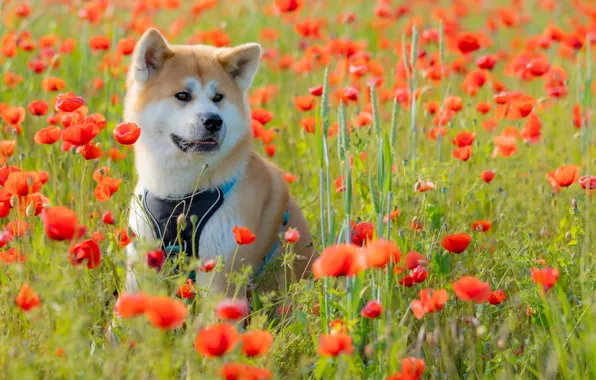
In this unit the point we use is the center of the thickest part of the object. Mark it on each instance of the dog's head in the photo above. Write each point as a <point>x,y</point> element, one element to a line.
<point>190,99</point>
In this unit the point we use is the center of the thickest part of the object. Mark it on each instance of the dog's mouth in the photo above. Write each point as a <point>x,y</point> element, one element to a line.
<point>209,144</point>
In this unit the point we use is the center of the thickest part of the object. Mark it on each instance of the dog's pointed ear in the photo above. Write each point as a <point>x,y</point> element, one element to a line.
<point>150,54</point>
<point>241,63</point>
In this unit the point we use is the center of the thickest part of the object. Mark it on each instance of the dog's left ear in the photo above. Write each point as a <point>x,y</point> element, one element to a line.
<point>241,63</point>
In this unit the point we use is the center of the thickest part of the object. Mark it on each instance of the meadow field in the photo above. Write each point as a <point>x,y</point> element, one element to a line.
<point>442,151</point>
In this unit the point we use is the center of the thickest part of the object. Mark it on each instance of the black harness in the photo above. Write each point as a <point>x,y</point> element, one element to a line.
<point>178,223</point>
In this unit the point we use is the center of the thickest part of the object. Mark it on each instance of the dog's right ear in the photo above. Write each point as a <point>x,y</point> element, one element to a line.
<point>150,53</point>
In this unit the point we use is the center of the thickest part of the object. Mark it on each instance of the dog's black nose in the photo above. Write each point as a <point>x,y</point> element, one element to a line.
<point>211,121</point>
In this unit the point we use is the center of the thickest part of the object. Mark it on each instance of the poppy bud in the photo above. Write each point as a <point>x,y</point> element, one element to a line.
<point>194,220</point>
<point>568,236</point>
<point>30,211</point>
<point>181,221</point>
<point>14,201</point>
<point>501,344</point>
<point>574,204</point>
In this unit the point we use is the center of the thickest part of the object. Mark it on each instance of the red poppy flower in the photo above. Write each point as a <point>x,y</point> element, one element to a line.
<point>165,313</point>
<point>463,153</point>
<point>106,188</point>
<point>316,91</point>
<point>17,227</point>
<point>256,343</point>
<point>430,301</point>
<point>482,225</point>
<point>107,217</point>
<point>470,288</point>
<point>216,340</point>
<point>335,344</point>
<point>208,266</point>
<point>361,233</point>
<point>131,305</point>
<point>87,250</point>
<point>80,134</point>
<point>156,259</point>
<point>423,186</point>
<point>230,309</point>
<point>304,103</point>
<point>546,277</point>
<point>291,236</point>
<point>487,176</point>
<point>341,260</point>
<point>411,369</point>
<point>12,255</point>
<point>48,135</point>
<point>467,42</point>
<point>464,138</point>
<point>566,175</point>
<point>98,43</point>
<point>5,238</point>
<point>126,45</point>
<point>243,235</point>
<point>483,107</point>
<point>414,259</point>
<point>60,223</point>
<point>127,133</point>
<point>22,183</point>
<point>456,243</point>
<point>27,298</point>
<point>90,151</point>
<point>496,297</point>
<point>38,108</point>
<point>379,252</point>
<point>261,115</point>
<point>486,62</point>
<point>68,102</point>
<point>238,371</point>
<point>187,290</point>
<point>123,238</point>
<point>373,309</point>
<point>587,182</point>
<point>538,66</point>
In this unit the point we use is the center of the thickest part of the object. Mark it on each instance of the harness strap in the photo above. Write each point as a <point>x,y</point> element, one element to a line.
<point>269,256</point>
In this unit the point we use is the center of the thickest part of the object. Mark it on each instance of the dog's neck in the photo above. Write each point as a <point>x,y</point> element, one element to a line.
<point>180,177</point>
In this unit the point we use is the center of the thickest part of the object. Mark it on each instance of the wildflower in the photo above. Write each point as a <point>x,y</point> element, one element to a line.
<point>291,236</point>
<point>335,344</point>
<point>496,297</point>
<point>414,259</point>
<point>463,153</point>
<point>48,135</point>
<point>482,225</point>
<point>373,309</point>
<point>430,301</point>
<point>22,183</point>
<point>566,175</point>
<point>131,305</point>
<point>463,139</point>
<point>38,108</point>
<point>165,313</point>
<point>361,233</point>
<point>127,133</point>
<point>230,309</point>
<point>456,243</point>
<point>340,260</point>
<point>60,223</point>
<point>587,182</point>
<point>68,102</point>
<point>411,369</point>
<point>470,288</point>
<point>243,235</point>
<point>87,250</point>
<point>467,42</point>
<point>107,217</point>
<point>27,298</point>
<point>379,252</point>
<point>207,266</point>
<point>487,176</point>
<point>156,259</point>
<point>186,290</point>
<point>216,340</point>
<point>546,277</point>
<point>256,343</point>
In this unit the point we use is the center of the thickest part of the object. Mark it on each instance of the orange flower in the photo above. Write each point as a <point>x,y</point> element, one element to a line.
<point>453,103</point>
<point>12,255</point>
<point>22,183</point>
<point>379,252</point>
<point>341,260</point>
<point>482,225</point>
<point>456,243</point>
<point>80,134</point>
<point>230,309</point>
<point>304,103</point>
<point>106,188</point>
<point>131,305</point>
<point>243,235</point>
<point>566,175</point>
<point>165,313</point>
<point>98,43</point>
<point>208,266</point>
<point>38,108</point>
<point>463,139</point>
<point>256,343</point>
<point>261,115</point>
<point>127,133</point>
<point>430,301</point>
<point>335,344</point>
<point>463,153</point>
<point>60,223</point>
<point>216,340</point>
<point>27,298</point>
<point>68,102</point>
<point>547,277</point>
<point>470,288</point>
<point>238,371</point>
<point>411,369</point>
<point>48,135</point>
<point>86,250</point>
<point>187,290</point>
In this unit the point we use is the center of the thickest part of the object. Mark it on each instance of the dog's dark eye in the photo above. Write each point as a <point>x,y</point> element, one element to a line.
<point>217,98</point>
<point>183,96</point>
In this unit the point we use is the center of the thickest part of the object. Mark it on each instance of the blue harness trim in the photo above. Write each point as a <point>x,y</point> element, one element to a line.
<point>267,258</point>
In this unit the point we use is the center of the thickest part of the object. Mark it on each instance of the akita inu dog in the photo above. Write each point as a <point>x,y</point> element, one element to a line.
<point>198,176</point>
